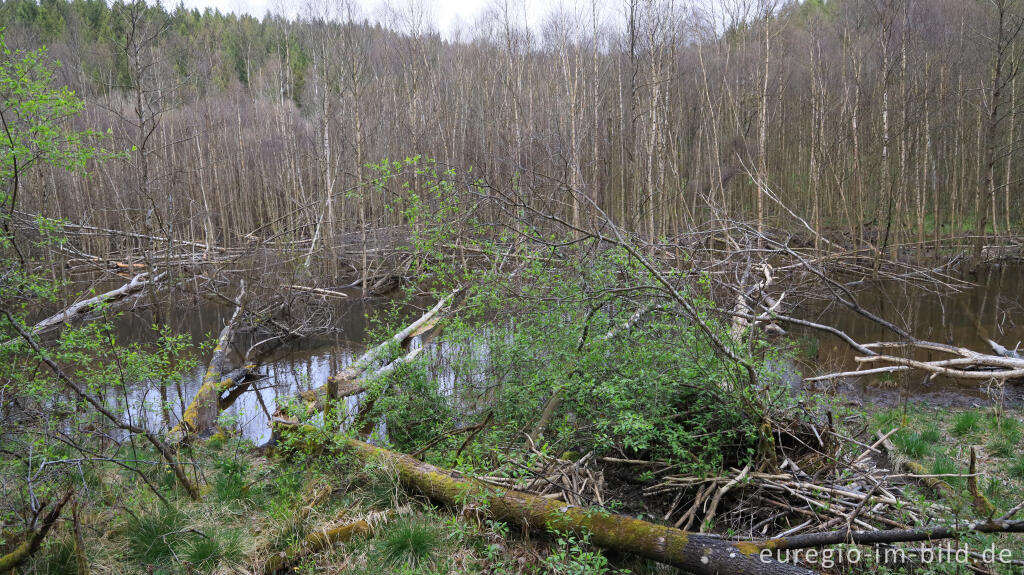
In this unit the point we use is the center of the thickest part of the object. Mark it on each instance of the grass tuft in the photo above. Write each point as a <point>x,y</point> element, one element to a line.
<point>931,435</point>
<point>1001,447</point>
<point>218,548</point>
<point>966,422</point>
<point>1016,469</point>
<point>57,558</point>
<point>1006,428</point>
<point>911,444</point>
<point>410,543</point>
<point>231,483</point>
<point>152,537</point>
<point>945,465</point>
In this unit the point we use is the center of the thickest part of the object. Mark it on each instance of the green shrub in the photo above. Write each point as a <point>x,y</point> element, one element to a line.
<point>230,483</point>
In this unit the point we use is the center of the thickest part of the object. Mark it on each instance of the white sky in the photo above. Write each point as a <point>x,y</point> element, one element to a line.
<point>446,13</point>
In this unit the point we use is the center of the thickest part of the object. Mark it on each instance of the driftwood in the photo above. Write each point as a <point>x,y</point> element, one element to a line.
<point>201,414</point>
<point>363,362</point>
<point>80,310</point>
<point>317,291</point>
<point>965,363</point>
<point>696,553</point>
<point>28,548</point>
<point>351,381</point>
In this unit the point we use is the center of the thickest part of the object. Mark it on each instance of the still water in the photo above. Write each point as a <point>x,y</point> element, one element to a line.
<point>993,307</point>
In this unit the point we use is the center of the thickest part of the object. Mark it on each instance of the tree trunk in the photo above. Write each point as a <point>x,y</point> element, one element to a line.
<point>693,552</point>
<point>201,415</point>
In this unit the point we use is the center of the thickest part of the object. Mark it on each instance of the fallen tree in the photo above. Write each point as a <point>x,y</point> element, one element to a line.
<point>81,309</point>
<point>693,552</point>
<point>319,540</point>
<point>201,414</point>
<point>28,548</point>
<point>363,362</point>
<point>697,553</point>
<point>350,380</point>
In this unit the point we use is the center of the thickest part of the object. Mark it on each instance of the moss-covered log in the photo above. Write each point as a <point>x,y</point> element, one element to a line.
<point>937,485</point>
<point>697,553</point>
<point>28,548</point>
<point>201,414</point>
<point>320,540</point>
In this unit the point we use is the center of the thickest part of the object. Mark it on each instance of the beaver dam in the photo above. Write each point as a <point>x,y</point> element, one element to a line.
<point>718,288</point>
<point>704,420</point>
<point>992,297</point>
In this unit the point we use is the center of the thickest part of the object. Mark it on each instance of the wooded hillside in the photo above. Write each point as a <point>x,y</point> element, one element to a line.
<point>878,121</point>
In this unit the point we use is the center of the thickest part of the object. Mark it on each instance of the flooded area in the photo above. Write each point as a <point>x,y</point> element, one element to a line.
<point>992,308</point>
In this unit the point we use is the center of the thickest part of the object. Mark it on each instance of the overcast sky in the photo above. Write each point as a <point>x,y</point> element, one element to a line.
<point>446,13</point>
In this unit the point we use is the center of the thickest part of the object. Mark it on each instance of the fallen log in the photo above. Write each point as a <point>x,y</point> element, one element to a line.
<point>363,362</point>
<point>1003,351</point>
<point>350,381</point>
<point>317,291</point>
<point>28,548</point>
<point>80,310</point>
<point>938,486</point>
<point>201,414</point>
<point>319,540</point>
<point>314,400</point>
<point>696,553</point>
<point>887,536</point>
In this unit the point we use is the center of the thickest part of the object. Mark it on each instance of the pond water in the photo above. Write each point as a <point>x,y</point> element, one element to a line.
<point>992,308</point>
<point>994,305</point>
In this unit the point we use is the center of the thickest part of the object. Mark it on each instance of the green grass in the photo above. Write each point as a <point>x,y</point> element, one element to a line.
<point>945,465</point>
<point>152,536</point>
<point>1007,428</point>
<point>966,422</point>
<point>410,543</point>
<point>217,548</point>
<point>1001,447</point>
<point>231,480</point>
<point>56,558</point>
<point>912,444</point>
<point>931,435</point>
<point>1016,469</point>
<point>888,419</point>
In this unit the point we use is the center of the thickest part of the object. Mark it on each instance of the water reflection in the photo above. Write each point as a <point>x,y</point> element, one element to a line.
<point>992,309</point>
